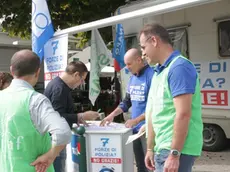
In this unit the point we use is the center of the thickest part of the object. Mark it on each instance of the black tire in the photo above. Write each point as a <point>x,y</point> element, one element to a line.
<point>214,138</point>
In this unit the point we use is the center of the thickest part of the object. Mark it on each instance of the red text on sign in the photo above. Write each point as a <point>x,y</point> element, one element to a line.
<point>215,97</point>
<point>51,75</point>
<point>106,160</point>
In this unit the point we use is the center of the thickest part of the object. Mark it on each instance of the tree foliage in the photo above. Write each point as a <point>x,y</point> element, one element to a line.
<point>64,14</point>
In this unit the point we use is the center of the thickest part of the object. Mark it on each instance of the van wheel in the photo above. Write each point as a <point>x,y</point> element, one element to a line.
<point>214,138</point>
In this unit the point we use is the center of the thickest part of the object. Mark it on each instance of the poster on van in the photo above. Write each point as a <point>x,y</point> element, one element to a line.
<point>215,83</point>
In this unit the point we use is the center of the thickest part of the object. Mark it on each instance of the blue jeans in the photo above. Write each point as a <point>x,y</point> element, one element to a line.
<point>186,161</point>
<point>139,148</point>
<point>59,162</point>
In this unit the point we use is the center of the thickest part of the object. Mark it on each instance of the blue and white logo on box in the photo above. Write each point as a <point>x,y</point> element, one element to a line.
<point>105,141</point>
<point>106,169</point>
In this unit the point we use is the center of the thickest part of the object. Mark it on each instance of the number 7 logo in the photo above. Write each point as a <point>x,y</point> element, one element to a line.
<point>55,46</point>
<point>105,141</point>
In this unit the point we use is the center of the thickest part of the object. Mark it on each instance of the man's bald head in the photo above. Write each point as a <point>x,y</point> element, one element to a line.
<point>132,54</point>
<point>133,60</point>
<point>24,62</point>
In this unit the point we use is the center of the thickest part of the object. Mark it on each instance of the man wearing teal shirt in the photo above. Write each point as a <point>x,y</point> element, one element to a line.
<point>173,112</point>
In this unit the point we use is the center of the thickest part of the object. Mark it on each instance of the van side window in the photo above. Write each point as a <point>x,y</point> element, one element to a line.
<point>224,38</point>
<point>131,42</point>
<point>179,38</point>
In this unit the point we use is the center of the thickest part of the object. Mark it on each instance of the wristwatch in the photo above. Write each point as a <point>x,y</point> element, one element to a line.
<point>175,152</point>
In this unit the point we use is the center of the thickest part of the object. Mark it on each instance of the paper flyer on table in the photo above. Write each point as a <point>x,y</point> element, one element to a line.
<point>95,125</point>
<point>134,137</point>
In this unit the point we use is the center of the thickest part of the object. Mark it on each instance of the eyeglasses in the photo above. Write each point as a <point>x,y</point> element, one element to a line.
<point>143,47</point>
<point>82,80</point>
<point>148,38</point>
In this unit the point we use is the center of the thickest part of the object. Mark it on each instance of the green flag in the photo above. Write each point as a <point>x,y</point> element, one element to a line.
<point>99,58</point>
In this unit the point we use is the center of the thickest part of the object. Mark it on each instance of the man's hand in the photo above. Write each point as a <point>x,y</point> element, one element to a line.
<point>43,162</point>
<point>80,120</point>
<point>172,164</point>
<point>90,115</point>
<point>107,120</point>
<point>130,123</point>
<point>149,160</point>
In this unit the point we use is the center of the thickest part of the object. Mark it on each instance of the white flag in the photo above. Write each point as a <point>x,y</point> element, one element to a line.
<point>42,28</point>
<point>100,57</point>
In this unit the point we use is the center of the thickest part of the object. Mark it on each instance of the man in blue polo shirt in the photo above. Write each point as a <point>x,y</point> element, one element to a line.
<point>173,107</point>
<point>136,97</point>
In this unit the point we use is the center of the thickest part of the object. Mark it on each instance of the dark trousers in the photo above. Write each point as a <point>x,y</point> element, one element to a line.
<point>139,148</point>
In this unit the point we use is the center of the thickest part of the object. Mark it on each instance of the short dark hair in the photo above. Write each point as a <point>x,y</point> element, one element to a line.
<point>157,30</point>
<point>25,62</point>
<point>76,66</point>
<point>5,77</point>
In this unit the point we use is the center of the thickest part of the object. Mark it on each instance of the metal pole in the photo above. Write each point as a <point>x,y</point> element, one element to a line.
<point>153,10</point>
<point>82,160</point>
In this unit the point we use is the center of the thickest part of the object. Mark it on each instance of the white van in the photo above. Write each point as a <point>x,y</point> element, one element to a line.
<point>202,34</point>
